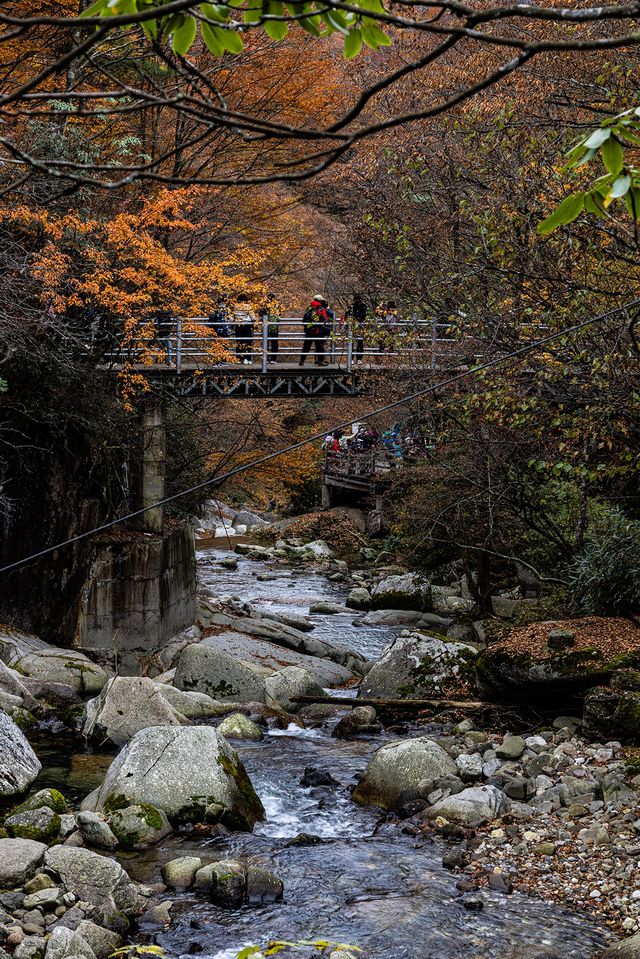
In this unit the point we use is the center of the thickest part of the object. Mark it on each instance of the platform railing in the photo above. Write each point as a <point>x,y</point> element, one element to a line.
<point>194,343</point>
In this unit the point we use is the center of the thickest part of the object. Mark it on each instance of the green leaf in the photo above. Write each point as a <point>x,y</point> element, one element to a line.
<point>211,36</point>
<point>150,28</point>
<point>276,29</point>
<point>94,9</point>
<point>253,13</point>
<point>570,208</point>
<point>352,43</point>
<point>620,187</point>
<point>374,37</point>
<point>632,203</point>
<point>215,12</point>
<point>184,36</point>
<point>612,155</point>
<point>232,41</point>
<point>597,138</point>
<point>593,204</point>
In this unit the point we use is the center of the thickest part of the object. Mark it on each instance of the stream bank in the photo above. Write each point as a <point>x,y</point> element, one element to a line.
<point>361,879</point>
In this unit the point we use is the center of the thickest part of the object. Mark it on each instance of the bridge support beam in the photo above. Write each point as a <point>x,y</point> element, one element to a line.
<point>154,439</point>
<point>326,496</point>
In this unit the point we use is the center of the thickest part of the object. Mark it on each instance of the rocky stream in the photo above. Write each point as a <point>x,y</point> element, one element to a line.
<point>459,864</point>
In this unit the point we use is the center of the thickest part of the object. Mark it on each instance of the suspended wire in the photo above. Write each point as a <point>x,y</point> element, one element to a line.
<point>222,477</point>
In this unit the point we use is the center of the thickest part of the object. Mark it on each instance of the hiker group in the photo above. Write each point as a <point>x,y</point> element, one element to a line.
<point>236,321</point>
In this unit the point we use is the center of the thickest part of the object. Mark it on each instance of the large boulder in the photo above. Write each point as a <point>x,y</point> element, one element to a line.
<point>32,657</point>
<point>278,633</point>
<point>126,705</point>
<point>257,652</point>
<point>19,765</point>
<point>93,878</point>
<point>625,949</point>
<point>472,807</point>
<point>530,666</point>
<point>408,591</point>
<point>400,766</point>
<point>291,681</point>
<point>188,772</point>
<point>19,859</point>
<point>206,670</point>
<point>417,666</point>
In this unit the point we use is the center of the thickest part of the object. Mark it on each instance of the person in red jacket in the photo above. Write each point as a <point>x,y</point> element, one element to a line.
<point>317,327</point>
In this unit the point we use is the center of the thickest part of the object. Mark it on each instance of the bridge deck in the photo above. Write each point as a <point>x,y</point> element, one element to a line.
<point>242,380</point>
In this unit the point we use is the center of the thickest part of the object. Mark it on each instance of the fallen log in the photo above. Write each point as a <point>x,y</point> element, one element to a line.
<point>392,703</point>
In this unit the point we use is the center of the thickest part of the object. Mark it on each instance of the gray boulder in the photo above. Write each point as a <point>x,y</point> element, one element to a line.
<point>31,657</point>
<point>400,766</point>
<point>19,765</point>
<point>180,873</point>
<point>402,592</point>
<point>102,941</point>
<point>181,770</point>
<point>66,943</point>
<point>93,878</point>
<point>19,859</point>
<point>209,671</point>
<point>192,705</point>
<point>126,705</point>
<point>625,949</point>
<point>359,598</point>
<point>472,807</point>
<point>291,681</point>
<point>95,830</point>
<point>391,617</point>
<point>281,635</point>
<point>138,826</point>
<point>417,666</point>
<point>239,726</point>
<point>324,608</point>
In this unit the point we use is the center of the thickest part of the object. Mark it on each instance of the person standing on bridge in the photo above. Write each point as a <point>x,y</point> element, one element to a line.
<point>357,316</point>
<point>244,328</point>
<point>268,315</point>
<point>317,322</point>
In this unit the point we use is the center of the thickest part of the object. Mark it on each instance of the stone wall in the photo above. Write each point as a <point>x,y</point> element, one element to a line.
<point>140,592</point>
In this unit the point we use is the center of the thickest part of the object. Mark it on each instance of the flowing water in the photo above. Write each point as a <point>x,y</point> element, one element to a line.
<point>361,881</point>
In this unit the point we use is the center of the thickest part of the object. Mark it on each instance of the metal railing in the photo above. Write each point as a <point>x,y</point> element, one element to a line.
<point>195,344</point>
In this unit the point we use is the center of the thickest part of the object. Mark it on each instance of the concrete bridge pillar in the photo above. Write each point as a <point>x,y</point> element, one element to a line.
<point>326,496</point>
<point>154,439</point>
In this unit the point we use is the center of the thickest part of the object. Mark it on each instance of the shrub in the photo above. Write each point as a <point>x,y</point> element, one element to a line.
<point>605,577</point>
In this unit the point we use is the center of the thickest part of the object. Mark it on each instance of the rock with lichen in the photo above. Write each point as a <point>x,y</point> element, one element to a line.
<point>181,770</point>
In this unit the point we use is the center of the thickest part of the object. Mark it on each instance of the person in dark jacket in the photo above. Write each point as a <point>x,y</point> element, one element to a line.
<point>317,323</point>
<point>244,324</point>
<point>358,317</point>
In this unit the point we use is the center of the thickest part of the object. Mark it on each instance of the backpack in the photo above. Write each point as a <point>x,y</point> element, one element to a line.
<point>316,322</point>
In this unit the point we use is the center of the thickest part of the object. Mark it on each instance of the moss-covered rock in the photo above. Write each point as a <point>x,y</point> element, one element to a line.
<point>181,771</point>
<point>239,726</point>
<point>402,592</point>
<point>41,824</point>
<point>417,666</point>
<point>611,713</point>
<point>44,797</point>
<point>525,667</point>
<point>137,826</point>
